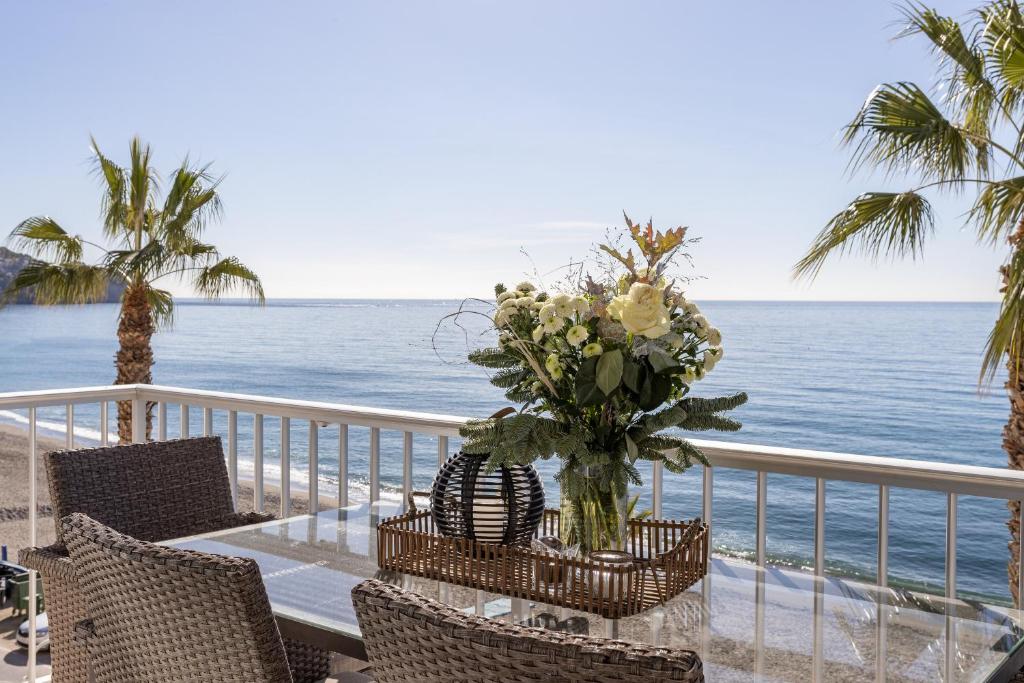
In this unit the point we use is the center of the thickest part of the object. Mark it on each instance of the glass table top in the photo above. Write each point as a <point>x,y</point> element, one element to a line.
<point>747,624</point>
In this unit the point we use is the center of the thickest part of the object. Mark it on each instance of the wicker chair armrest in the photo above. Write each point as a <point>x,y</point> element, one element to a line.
<point>246,518</point>
<point>51,560</point>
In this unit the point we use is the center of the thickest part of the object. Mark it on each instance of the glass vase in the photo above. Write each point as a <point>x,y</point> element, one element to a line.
<point>596,518</point>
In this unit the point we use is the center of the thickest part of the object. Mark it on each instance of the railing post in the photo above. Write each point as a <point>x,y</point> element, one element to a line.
<point>883,536</point>
<point>161,417</point>
<point>407,466</point>
<point>138,420</point>
<point>286,467</point>
<point>257,462</point>
<point>32,542</point>
<point>657,488</point>
<point>442,451</point>
<point>207,421</point>
<point>314,468</point>
<point>707,505</point>
<point>762,514</point>
<point>374,464</point>
<point>1020,561</point>
<point>70,426</point>
<point>233,455</point>
<point>184,421</point>
<point>819,527</point>
<point>342,465</point>
<point>951,501</point>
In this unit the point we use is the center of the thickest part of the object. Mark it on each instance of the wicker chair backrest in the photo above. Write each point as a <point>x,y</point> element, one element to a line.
<point>152,492</point>
<point>165,615</point>
<point>411,639</point>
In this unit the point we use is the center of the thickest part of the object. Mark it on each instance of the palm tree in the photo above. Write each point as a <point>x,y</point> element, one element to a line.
<point>148,241</point>
<point>969,142</point>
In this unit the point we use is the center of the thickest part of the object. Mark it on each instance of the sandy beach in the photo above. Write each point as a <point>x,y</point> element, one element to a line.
<point>14,529</point>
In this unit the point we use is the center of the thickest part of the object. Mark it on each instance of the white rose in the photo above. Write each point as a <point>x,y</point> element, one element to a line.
<point>714,336</point>
<point>538,333</point>
<point>642,311</point>
<point>577,334</point>
<point>592,349</point>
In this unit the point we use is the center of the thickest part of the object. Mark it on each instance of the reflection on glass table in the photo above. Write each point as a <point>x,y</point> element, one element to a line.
<point>746,623</point>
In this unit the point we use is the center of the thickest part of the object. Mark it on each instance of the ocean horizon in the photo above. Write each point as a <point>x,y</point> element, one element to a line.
<point>894,379</point>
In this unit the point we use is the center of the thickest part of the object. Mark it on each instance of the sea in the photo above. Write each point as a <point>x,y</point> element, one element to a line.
<point>886,379</point>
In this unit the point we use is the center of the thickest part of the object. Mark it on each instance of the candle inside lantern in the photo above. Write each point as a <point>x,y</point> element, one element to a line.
<point>488,519</point>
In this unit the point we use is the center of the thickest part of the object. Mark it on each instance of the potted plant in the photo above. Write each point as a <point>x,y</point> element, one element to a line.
<point>602,368</point>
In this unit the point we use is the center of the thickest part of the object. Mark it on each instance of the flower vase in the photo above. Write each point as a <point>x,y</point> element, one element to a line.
<point>595,519</point>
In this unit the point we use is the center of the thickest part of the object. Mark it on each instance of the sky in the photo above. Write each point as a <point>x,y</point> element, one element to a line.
<point>416,150</point>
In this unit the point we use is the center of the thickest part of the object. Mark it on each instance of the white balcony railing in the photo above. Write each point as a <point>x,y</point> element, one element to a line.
<point>885,473</point>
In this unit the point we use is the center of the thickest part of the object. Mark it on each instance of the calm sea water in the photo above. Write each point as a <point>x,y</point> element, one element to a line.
<point>883,379</point>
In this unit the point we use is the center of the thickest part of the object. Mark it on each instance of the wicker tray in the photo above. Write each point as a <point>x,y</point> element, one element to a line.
<point>671,557</point>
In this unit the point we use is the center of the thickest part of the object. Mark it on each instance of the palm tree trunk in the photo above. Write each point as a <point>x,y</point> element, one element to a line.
<point>134,360</point>
<point>1013,444</point>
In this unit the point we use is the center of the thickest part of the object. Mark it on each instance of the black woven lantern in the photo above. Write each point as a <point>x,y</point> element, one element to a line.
<point>503,507</point>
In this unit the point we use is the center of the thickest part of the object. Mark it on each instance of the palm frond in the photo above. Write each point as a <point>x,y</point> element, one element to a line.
<point>901,130</point>
<point>998,209</point>
<point>142,182</point>
<point>59,283</point>
<point>44,239</point>
<point>228,275</point>
<point>969,88</point>
<point>161,304</point>
<point>878,223</point>
<point>114,205</point>
<point>1003,38</point>
<point>1007,335</point>
<point>192,201</point>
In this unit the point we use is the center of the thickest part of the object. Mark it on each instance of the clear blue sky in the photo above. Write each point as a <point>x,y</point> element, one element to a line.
<point>385,149</point>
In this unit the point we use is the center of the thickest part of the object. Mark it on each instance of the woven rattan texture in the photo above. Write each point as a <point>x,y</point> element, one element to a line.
<point>411,639</point>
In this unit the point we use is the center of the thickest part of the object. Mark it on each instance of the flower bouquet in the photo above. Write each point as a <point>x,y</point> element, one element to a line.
<point>602,368</point>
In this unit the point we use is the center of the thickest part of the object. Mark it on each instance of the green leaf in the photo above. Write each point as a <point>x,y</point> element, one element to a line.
<point>661,360</point>
<point>609,370</point>
<point>588,393</point>
<point>631,448</point>
<point>633,375</point>
<point>655,391</point>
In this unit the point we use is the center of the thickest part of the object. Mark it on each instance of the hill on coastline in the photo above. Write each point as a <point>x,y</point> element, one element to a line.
<point>11,264</point>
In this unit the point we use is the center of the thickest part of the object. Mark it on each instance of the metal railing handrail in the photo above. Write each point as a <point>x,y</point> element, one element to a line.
<point>884,472</point>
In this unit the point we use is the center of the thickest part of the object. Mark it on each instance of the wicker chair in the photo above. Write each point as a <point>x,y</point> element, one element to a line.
<point>165,615</point>
<point>152,492</point>
<point>410,639</point>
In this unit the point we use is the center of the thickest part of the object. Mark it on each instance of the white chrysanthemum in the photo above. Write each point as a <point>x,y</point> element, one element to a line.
<point>592,349</point>
<point>577,334</point>
<point>547,312</point>
<point>538,333</point>
<point>714,336</point>
<point>674,340</point>
<point>536,306</point>
<point>700,322</point>
<point>501,317</point>
<point>565,306</point>
<point>525,286</point>
<point>524,301</point>
<point>554,325</point>
<point>690,375</point>
<point>582,307</point>
<point>552,362</point>
<point>691,308</point>
<point>505,296</point>
<point>508,305</point>
<point>556,373</point>
<point>537,387</point>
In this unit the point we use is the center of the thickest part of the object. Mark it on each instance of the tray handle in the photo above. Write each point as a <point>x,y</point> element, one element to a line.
<point>412,498</point>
